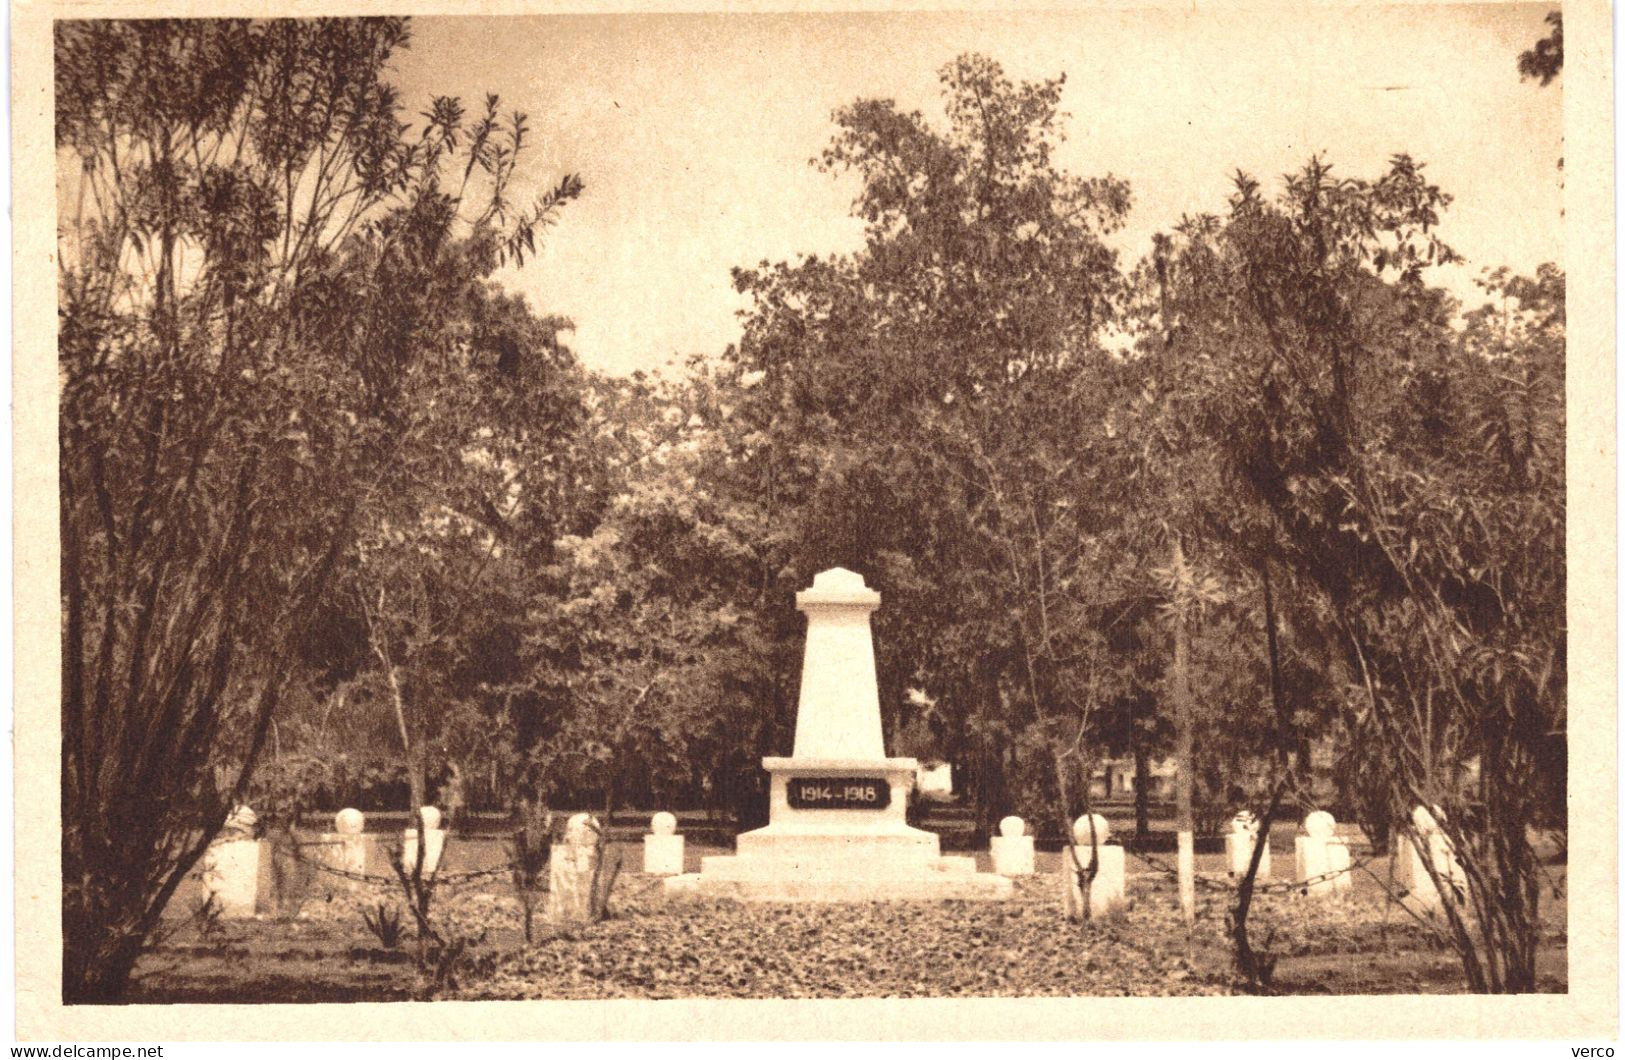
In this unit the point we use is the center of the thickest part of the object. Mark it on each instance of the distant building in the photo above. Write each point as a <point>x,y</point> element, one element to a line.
<point>935,780</point>
<point>1114,779</point>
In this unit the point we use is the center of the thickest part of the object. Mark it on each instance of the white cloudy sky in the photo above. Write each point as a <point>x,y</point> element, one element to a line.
<point>693,132</point>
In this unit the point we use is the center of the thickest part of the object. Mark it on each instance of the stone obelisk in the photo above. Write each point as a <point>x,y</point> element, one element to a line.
<point>838,714</point>
<point>836,821</point>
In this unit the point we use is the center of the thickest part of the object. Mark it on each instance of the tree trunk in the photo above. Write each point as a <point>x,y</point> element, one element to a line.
<point>990,791</point>
<point>1258,969</point>
<point>1181,690</point>
<point>1142,785</point>
<point>98,975</point>
<point>417,782</point>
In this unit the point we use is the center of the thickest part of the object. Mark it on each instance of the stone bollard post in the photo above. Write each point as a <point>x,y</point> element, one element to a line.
<point>570,872</point>
<point>1106,890</point>
<point>434,843</point>
<point>663,847</point>
<point>231,866</point>
<point>1012,848</point>
<point>1319,852</point>
<point>1411,869</point>
<point>345,849</point>
<point>1238,846</point>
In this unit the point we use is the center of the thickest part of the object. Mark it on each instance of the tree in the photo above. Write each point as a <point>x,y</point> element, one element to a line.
<point>933,409</point>
<point>481,486</point>
<point>636,629</point>
<point>253,253</point>
<point>1412,483</point>
<point>1545,59</point>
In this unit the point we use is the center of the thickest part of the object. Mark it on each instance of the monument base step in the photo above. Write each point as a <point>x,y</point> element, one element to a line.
<point>813,846</point>
<point>932,885</point>
<point>723,867</point>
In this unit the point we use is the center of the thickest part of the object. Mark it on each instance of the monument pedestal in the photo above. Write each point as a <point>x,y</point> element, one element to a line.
<point>837,826</point>
<point>837,833</point>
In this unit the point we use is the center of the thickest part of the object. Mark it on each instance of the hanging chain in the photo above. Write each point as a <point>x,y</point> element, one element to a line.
<point>449,879</point>
<point>1207,881</point>
<point>1211,882</point>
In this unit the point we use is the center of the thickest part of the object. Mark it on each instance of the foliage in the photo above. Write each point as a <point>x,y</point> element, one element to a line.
<point>480,487</point>
<point>930,411</point>
<point>255,256</point>
<point>384,922</point>
<point>635,631</point>
<point>332,499</point>
<point>1412,479</point>
<point>886,949</point>
<point>442,948</point>
<point>1545,59</point>
<point>207,916</point>
<point>606,872</point>
<point>530,850</point>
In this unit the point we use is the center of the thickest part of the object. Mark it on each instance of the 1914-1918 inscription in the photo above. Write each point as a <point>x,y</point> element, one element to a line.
<point>839,793</point>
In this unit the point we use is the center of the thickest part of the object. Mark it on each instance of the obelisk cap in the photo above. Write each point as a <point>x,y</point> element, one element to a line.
<point>838,587</point>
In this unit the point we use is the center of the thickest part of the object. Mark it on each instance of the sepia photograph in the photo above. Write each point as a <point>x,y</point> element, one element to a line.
<point>798,505</point>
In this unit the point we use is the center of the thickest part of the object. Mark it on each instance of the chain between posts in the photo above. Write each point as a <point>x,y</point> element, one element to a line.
<point>456,879</point>
<point>1285,887</point>
<point>448,879</point>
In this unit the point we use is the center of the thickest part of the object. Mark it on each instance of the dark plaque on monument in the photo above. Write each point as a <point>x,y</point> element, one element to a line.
<point>839,793</point>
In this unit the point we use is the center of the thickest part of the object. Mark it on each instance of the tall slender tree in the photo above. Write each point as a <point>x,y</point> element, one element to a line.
<point>243,216</point>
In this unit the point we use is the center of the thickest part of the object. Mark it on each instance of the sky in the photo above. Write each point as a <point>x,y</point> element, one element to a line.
<point>694,133</point>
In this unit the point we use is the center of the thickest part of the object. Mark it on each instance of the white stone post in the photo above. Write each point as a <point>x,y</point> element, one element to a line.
<point>345,849</point>
<point>570,872</point>
<point>434,843</point>
<point>231,866</point>
<point>1239,843</point>
<point>1320,852</point>
<point>663,847</point>
<point>1107,890</point>
<point>1012,848</point>
<point>1411,870</point>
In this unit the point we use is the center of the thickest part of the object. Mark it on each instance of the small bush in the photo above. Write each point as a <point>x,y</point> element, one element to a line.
<point>530,850</point>
<point>206,915</point>
<point>385,924</point>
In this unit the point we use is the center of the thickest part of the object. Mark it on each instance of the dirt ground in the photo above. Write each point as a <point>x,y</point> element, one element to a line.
<point>323,952</point>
